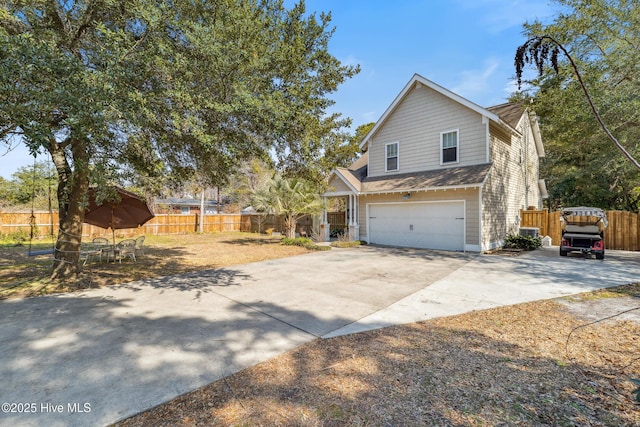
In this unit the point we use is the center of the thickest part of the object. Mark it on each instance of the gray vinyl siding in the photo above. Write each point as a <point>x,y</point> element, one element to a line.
<point>336,184</point>
<point>417,124</point>
<point>470,196</point>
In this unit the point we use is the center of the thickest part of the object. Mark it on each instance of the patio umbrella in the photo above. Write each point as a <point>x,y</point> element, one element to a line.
<point>131,211</point>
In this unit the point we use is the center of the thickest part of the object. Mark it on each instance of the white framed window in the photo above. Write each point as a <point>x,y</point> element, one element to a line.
<point>449,147</point>
<point>185,210</point>
<point>392,157</point>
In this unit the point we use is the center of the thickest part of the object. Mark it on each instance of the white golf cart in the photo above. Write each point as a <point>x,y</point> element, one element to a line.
<point>583,231</point>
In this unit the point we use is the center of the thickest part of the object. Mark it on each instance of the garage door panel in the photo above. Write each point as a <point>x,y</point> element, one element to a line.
<point>420,225</point>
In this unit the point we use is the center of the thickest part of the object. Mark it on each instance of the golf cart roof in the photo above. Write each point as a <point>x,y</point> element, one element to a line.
<point>585,211</point>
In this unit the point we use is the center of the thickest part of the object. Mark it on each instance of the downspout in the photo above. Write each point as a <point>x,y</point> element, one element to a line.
<point>481,213</point>
<point>526,168</point>
<point>486,122</point>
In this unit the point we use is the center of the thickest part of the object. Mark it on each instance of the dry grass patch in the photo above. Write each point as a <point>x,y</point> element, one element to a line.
<point>23,276</point>
<point>509,366</point>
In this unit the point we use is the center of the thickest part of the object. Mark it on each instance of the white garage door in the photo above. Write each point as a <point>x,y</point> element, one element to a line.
<point>433,225</point>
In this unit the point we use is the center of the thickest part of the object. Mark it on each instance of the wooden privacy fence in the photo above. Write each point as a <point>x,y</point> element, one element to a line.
<point>623,232</point>
<point>20,223</point>
<point>337,220</point>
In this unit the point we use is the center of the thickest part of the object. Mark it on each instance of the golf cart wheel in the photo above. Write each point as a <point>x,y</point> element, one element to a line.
<point>563,253</point>
<point>600,255</point>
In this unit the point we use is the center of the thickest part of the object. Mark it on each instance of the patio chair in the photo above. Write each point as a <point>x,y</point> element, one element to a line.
<point>90,251</point>
<point>103,245</point>
<point>100,241</point>
<point>140,245</point>
<point>125,248</point>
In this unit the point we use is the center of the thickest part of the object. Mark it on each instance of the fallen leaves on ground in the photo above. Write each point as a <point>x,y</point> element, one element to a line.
<point>533,364</point>
<point>24,276</point>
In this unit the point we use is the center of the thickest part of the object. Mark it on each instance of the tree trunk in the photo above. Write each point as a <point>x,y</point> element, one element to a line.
<point>290,226</point>
<point>73,188</point>
<point>67,252</point>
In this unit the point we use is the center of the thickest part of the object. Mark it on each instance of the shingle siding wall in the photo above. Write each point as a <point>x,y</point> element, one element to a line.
<point>533,166</point>
<point>417,124</point>
<point>470,196</point>
<point>512,183</point>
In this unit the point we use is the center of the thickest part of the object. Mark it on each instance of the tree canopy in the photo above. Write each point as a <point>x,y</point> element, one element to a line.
<point>583,166</point>
<point>139,90</point>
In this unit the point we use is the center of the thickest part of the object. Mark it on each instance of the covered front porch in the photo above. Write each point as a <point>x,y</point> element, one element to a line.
<point>333,225</point>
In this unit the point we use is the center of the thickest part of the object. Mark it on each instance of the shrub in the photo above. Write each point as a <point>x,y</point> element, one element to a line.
<point>335,233</point>
<point>346,244</point>
<point>305,242</point>
<point>298,241</point>
<point>17,238</point>
<point>528,243</point>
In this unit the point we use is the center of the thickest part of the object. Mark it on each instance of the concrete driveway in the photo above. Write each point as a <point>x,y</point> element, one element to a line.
<point>95,357</point>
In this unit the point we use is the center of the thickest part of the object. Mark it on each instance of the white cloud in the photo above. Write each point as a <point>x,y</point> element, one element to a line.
<point>351,60</point>
<point>369,116</point>
<point>473,84</point>
<point>510,87</point>
<point>500,15</point>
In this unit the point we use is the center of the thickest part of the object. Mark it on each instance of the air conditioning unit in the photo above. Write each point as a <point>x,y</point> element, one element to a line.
<point>530,231</point>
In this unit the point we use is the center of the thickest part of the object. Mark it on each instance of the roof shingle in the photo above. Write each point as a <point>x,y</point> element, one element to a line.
<point>510,112</point>
<point>463,176</point>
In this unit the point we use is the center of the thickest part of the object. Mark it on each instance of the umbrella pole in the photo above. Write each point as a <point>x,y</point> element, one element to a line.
<point>113,230</point>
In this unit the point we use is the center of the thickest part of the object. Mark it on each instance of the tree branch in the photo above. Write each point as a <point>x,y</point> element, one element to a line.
<point>53,13</point>
<point>89,17</point>
<point>536,47</point>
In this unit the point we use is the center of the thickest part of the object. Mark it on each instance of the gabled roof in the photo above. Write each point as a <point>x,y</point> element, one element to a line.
<point>349,178</point>
<point>512,112</point>
<point>419,80</point>
<point>354,174</point>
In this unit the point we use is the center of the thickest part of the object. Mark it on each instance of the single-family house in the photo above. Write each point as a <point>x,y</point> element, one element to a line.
<point>441,172</point>
<point>185,206</point>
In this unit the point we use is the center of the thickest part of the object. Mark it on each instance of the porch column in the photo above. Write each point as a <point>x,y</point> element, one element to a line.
<point>347,215</point>
<point>324,223</point>
<point>354,228</point>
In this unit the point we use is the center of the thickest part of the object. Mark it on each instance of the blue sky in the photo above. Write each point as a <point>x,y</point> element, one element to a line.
<point>466,46</point>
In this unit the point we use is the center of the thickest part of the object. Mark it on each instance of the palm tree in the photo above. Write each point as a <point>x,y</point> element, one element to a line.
<point>291,197</point>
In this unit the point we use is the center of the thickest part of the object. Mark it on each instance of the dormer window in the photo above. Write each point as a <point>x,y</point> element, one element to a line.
<point>449,147</point>
<point>392,156</point>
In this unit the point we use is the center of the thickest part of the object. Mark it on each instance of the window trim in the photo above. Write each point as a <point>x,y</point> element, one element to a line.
<point>442,134</point>
<point>386,156</point>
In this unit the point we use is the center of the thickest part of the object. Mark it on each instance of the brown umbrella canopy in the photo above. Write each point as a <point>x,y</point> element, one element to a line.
<point>130,211</point>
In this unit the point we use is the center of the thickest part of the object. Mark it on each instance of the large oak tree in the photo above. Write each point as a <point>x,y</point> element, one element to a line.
<point>158,88</point>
